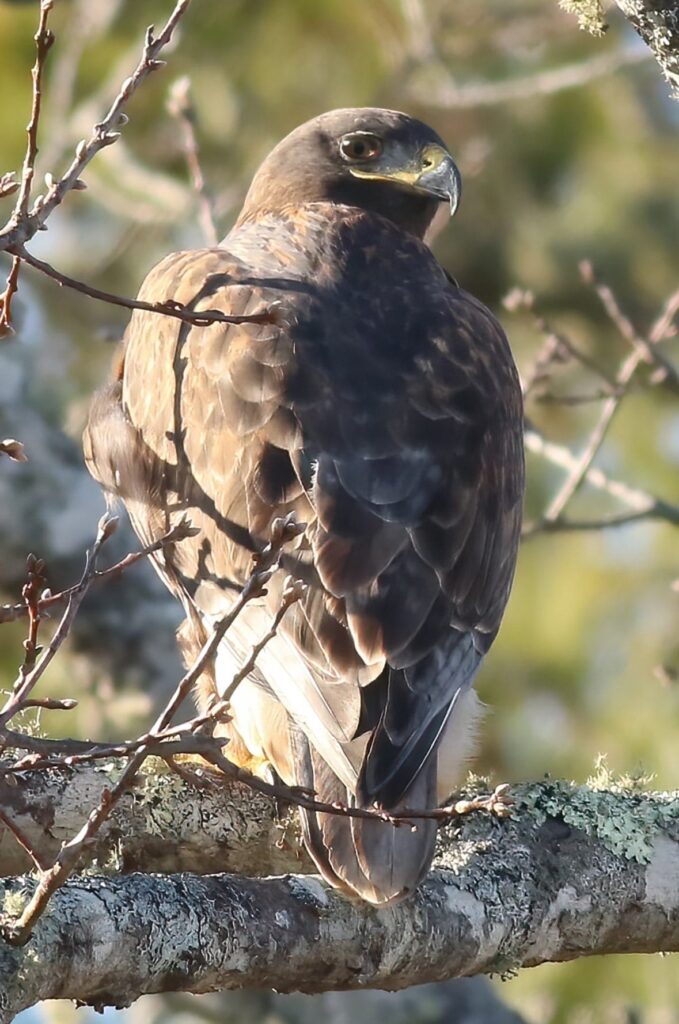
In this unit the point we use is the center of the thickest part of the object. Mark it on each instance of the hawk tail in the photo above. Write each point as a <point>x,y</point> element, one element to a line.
<point>367,858</point>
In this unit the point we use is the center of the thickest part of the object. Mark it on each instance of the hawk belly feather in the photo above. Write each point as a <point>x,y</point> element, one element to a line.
<point>383,409</point>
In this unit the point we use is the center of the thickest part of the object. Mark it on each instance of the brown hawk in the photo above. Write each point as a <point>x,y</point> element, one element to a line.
<point>384,410</point>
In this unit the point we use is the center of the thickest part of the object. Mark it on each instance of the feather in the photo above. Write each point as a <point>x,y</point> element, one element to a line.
<point>382,407</point>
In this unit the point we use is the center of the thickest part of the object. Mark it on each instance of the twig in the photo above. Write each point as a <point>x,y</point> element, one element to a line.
<point>664,326</point>
<point>209,748</point>
<point>266,562</point>
<point>623,378</point>
<point>31,594</point>
<point>293,590</point>
<point>23,840</point>
<point>169,308</point>
<point>181,107</point>
<point>26,681</point>
<point>577,476</point>
<point>642,504</point>
<point>11,612</point>
<point>105,133</point>
<point>452,95</point>
<point>44,39</point>
<point>667,373</point>
<point>557,347</point>
<point>11,288</point>
<point>550,398</point>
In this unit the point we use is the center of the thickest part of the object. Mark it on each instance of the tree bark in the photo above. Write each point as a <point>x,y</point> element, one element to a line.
<point>164,824</point>
<point>657,22</point>
<point>576,871</point>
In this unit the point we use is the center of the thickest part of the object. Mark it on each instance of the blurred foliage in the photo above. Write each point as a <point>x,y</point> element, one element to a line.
<point>584,172</point>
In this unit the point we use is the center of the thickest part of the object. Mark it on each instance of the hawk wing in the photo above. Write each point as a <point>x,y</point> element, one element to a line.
<point>384,410</point>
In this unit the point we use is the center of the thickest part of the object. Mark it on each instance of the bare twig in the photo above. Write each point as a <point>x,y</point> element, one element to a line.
<point>266,562</point>
<point>667,373</point>
<point>292,592</point>
<point>664,326</point>
<point>44,39</point>
<point>183,529</point>
<point>557,347</point>
<point>180,105</point>
<point>625,375</point>
<point>23,841</point>
<point>169,308</point>
<point>586,398</point>
<point>642,504</point>
<point>31,594</point>
<point>20,229</point>
<point>26,681</point>
<point>577,475</point>
<point>190,741</point>
<point>11,288</point>
<point>447,93</point>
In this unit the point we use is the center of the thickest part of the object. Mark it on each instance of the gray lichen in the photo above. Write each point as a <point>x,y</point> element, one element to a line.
<point>616,810</point>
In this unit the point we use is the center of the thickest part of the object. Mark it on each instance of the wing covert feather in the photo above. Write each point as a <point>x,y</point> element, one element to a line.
<point>385,411</point>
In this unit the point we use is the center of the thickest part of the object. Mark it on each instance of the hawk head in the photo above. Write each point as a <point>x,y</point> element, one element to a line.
<point>379,160</point>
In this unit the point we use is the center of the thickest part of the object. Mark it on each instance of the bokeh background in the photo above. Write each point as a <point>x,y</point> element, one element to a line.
<point>586,660</point>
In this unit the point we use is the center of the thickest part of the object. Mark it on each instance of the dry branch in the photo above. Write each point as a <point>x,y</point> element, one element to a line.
<point>24,223</point>
<point>266,562</point>
<point>197,318</point>
<point>180,105</point>
<point>562,879</point>
<point>557,350</point>
<point>447,93</point>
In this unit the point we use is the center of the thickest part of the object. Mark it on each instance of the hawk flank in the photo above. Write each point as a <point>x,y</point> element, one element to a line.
<point>384,410</point>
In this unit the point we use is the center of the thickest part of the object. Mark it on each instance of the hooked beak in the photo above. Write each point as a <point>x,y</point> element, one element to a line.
<point>440,176</point>
<point>434,173</point>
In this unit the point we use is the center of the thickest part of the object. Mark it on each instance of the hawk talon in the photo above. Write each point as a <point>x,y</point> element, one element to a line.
<point>499,803</point>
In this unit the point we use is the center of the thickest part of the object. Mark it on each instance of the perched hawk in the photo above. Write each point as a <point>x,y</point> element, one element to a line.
<point>383,408</point>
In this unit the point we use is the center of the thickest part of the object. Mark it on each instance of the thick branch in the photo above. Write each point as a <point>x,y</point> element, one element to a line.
<point>163,824</point>
<point>577,872</point>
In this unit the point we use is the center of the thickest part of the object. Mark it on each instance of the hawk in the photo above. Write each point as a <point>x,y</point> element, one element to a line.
<point>383,409</point>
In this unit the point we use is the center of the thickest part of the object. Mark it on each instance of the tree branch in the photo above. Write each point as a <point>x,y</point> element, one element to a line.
<point>163,823</point>
<point>197,318</point>
<point>578,871</point>
<point>443,91</point>
<point>24,223</point>
<point>658,25</point>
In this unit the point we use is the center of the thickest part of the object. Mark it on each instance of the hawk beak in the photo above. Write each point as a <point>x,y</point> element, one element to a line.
<point>434,174</point>
<point>440,176</point>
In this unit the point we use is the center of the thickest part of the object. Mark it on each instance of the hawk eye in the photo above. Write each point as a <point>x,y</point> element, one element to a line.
<point>361,146</point>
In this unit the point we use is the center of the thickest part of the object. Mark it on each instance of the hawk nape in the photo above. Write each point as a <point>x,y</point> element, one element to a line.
<point>384,410</point>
